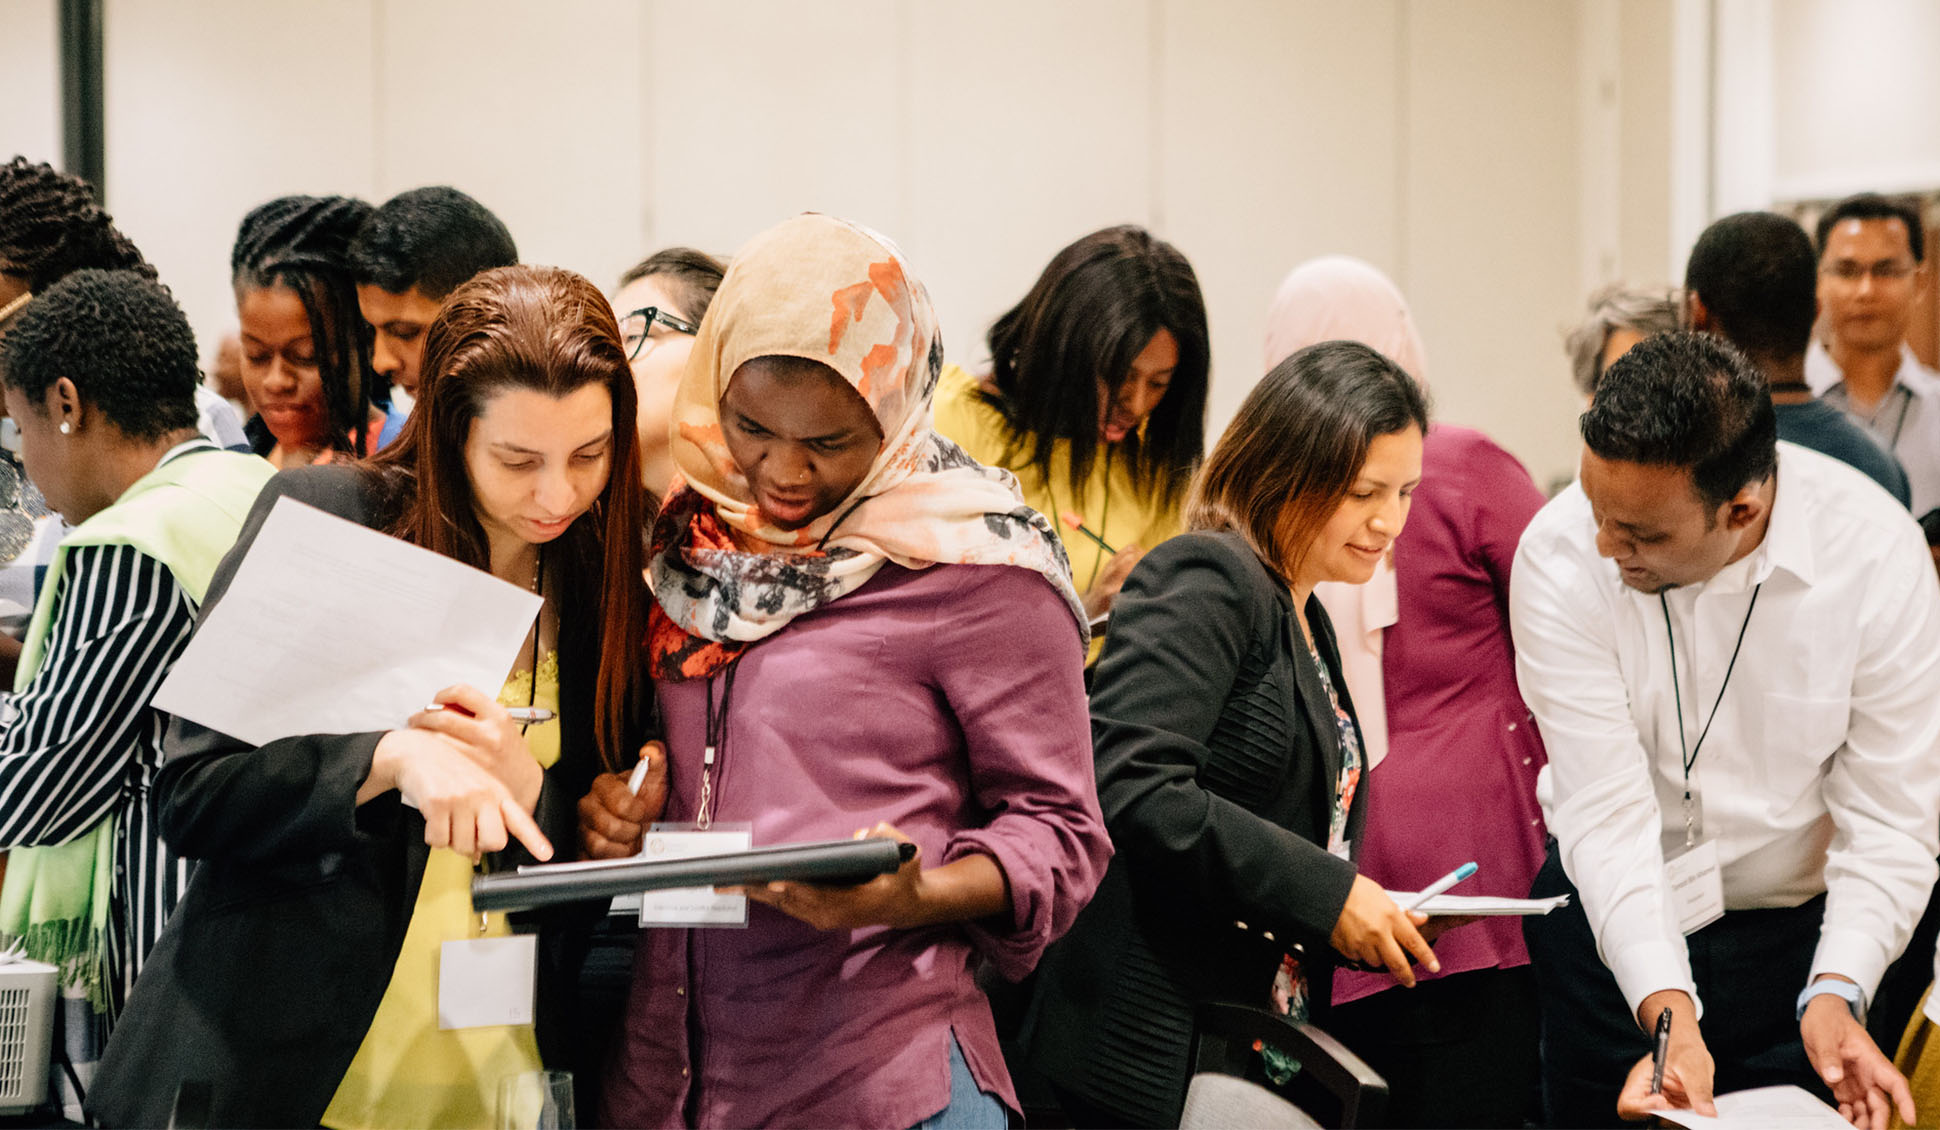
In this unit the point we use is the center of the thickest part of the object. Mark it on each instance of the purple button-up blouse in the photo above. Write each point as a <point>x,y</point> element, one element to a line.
<point>948,701</point>
<point>1459,781</point>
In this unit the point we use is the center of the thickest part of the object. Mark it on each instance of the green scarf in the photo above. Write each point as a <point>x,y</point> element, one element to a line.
<point>186,514</point>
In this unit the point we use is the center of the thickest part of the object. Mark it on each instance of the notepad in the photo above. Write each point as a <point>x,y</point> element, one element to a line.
<point>1481,906</point>
<point>270,660</point>
<point>1763,1108</point>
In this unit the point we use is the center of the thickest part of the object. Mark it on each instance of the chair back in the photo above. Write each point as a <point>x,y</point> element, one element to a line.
<point>1226,1037</point>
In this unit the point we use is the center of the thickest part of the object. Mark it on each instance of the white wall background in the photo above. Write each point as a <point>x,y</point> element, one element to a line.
<point>1497,157</point>
<point>30,90</point>
<point>1437,140</point>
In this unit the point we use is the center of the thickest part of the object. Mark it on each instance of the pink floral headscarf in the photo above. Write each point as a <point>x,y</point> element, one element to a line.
<point>824,289</point>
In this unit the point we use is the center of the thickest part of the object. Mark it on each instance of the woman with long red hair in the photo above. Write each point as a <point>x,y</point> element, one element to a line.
<point>300,975</point>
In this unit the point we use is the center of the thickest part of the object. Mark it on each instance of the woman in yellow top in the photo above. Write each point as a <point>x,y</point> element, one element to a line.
<point>300,977</point>
<point>1096,400</point>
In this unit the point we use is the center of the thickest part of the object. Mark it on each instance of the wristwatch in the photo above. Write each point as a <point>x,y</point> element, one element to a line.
<point>1844,990</point>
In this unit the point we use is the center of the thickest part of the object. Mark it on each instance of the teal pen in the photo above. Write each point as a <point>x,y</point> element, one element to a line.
<point>1442,884</point>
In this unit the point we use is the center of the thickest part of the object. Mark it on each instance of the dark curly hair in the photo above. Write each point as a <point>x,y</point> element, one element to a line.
<point>303,243</point>
<point>432,238</point>
<point>1687,400</point>
<point>50,225</point>
<point>120,338</point>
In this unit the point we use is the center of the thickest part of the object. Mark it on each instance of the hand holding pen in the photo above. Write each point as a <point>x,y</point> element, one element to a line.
<point>1678,1073</point>
<point>614,816</point>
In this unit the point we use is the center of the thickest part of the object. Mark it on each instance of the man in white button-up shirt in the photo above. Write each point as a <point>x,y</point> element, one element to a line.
<point>1732,647</point>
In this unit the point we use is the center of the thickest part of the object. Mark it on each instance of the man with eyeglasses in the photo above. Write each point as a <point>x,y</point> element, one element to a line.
<point>1871,274</point>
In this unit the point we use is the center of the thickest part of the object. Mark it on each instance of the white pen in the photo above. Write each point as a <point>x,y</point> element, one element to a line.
<point>524,715</point>
<point>639,777</point>
<point>1442,884</point>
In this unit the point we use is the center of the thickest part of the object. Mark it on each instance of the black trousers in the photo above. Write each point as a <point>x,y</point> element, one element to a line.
<point>1458,1051</point>
<point>1749,967</point>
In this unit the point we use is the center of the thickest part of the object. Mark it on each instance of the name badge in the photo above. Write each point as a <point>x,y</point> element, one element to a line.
<point>693,906</point>
<point>1697,886</point>
<point>485,982</point>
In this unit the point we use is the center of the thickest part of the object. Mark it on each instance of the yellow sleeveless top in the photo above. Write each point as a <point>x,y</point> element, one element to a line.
<point>408,1072</point>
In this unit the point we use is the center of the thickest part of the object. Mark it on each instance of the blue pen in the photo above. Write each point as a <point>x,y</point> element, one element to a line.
<point>1442,884</point>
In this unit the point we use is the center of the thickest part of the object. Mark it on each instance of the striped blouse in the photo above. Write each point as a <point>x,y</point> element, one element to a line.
<point>81,741</point>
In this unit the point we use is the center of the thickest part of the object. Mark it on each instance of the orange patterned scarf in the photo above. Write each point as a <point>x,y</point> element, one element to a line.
<point>833,292</point>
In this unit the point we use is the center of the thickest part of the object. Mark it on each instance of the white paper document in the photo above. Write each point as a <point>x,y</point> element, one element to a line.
<point>1481,906</point>
<point>332,628</point>
<point>1763,1108</point>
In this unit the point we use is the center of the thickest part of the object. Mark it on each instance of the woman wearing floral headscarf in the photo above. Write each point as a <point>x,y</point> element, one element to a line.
<point>859,630</point>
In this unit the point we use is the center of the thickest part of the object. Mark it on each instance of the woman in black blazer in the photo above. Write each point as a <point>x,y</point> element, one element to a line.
<point>286,951</point>
<point>1228,758</point>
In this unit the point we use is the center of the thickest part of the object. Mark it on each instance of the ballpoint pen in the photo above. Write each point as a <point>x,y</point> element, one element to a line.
<point>1442,884</point>
<point>524,715</point>
<point>1658,1053</point>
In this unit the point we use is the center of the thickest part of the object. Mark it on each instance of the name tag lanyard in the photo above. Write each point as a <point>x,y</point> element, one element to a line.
<point>716,735</point>
<point>1689,753</point>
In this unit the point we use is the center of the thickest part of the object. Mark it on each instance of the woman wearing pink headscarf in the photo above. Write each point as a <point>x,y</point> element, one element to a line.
<point>1453,753</point>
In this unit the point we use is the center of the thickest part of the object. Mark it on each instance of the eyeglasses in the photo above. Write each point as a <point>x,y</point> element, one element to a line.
<point>1884,271</point>
<point>635,327</point>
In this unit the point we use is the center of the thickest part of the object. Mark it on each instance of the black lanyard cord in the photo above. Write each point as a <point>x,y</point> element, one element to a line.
<point>1689,754</point>
<point>1900,424</point>
<point>716,736</point>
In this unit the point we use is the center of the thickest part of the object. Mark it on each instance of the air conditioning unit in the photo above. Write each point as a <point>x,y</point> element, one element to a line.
<point>27,998</point>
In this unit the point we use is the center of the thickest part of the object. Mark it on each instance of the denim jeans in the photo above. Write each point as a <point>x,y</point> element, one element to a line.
<point>970,1108</point>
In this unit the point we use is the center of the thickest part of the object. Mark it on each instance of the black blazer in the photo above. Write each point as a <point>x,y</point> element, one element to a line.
<point>271,968</point>
<point>1217,754</point>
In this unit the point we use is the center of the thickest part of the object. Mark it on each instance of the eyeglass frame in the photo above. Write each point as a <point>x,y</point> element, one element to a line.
<point>1852,272</point>
<point>654,314</point>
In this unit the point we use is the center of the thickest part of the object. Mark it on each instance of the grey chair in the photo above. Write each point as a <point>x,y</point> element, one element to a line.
<point>1220,1095</point>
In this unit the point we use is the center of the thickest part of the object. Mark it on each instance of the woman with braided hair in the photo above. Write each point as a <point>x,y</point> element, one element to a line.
<point>306,352</point>
<point>50,227</point>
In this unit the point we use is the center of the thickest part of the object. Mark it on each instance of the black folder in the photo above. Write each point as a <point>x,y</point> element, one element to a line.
<point>835,862</point>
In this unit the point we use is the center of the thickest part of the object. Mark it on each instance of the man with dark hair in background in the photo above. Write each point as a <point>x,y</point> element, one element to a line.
<point>1872,270</point>
<point>1752,280</point>
<point>1727,642</point>
<point>418,247</point>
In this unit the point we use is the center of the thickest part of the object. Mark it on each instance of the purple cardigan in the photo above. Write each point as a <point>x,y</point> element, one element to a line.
<point>1459,781</point>
<point>948,701</point>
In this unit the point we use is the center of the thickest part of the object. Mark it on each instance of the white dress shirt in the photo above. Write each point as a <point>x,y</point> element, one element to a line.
<point>1906,421</point>
<point>1821,771</point>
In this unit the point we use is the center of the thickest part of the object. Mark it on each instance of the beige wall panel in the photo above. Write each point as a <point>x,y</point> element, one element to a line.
<point>532,109</point>
<point>214,106</point>
<point>1491,258</point>
<point>1030,124</point>
<point>1279,131</point>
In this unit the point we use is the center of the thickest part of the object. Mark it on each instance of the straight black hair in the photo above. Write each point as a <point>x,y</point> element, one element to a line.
<point>1095,307</point>
<point>1873,206</point>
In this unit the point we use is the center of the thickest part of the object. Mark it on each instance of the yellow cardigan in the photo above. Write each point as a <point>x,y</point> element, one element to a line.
<point>1110,505</point>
